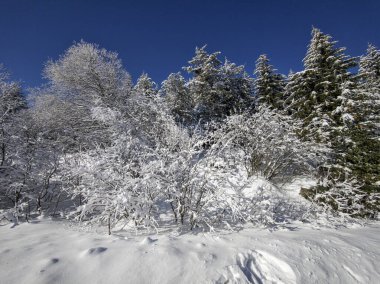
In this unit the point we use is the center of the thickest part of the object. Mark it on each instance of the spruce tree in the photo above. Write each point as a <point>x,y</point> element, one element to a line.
<point>362,108</point>
<point>145,86</point>
<point>269,86</point>
<point>236,88</point>
<point>177,98</point>
<point>217,89</point>
<point>331,104</point>
<point>369,84</point>
<point>313,94</point>
<point>205,70</point>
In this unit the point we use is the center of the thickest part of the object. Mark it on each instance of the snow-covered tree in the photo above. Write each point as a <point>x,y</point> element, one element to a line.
<point>177,97</point>
<point>312,94</point>
<point>145,86</point>
<point>356,147</point>
<point>93,74</point>
<point>67,121</point>
<point>266,144</point>
<point>83,78</point>
<point>369,68</point>
<point>12,104</point>
<point>217,89</point>
<point>269,86</point>
<point>327,98</point>
<point>369,85</point>
<point>11,101</point>
<point>236,88</point>
<point>361,115</point>
<point>30,175</point>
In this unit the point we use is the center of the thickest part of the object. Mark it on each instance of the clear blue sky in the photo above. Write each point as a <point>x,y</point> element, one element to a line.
<point>159,37</point>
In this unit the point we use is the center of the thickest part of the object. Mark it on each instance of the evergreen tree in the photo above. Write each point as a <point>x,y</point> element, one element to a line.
<point>217,89</point>
<point>369,68</point>
<point>269,86</point>
<point>178,99</point>
<point>313,94</point>
<point>236,88</point>
<point>361,108</point>
<point>331,105</point>
<point>145,86</point>
<point>369,84</point>
<point>205,70</point>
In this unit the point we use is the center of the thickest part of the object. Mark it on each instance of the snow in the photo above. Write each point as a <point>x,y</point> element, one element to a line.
<point>53,251</point>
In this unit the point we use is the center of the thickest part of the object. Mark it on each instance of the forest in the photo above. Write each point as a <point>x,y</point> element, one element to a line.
<point>97,148</point>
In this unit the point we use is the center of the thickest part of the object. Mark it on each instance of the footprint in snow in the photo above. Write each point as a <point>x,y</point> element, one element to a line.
<point>258,267</point>
<point>54,260</point>
<point>148,240</point>
<point>200,245</point>
<point>50,262</point>
<point>95,251</point>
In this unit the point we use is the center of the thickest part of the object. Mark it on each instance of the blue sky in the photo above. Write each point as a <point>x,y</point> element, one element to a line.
<point>159,37</point>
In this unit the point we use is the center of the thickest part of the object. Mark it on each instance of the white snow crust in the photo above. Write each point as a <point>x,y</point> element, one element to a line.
<point>47,251</point>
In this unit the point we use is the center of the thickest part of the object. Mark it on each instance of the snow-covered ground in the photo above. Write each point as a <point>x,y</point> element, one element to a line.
<point>47,251</point>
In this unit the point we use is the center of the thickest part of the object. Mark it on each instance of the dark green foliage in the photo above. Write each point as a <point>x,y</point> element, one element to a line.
<point>341,110</point>
<point>313,94</point>
<point>217,89</point>
<point>363,157</point>
<point>358,203</point>
<point>269,86</point>
<point>361,104</point>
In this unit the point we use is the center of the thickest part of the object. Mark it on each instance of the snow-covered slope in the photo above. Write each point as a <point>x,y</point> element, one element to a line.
<point>53,252</point>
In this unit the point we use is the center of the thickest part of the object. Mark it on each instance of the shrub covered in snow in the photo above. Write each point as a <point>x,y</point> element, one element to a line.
<point>266,144</point>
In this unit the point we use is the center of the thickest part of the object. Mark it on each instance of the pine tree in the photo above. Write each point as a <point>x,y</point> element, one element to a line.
<point>269,86</point>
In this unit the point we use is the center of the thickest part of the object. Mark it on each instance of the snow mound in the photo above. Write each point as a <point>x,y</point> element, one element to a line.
<point>258,267</point>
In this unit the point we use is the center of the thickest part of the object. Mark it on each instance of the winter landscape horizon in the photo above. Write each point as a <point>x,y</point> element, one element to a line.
<point>253,159</point>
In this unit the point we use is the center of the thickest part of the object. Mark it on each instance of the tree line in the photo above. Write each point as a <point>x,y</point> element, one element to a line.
<point>94,146</point>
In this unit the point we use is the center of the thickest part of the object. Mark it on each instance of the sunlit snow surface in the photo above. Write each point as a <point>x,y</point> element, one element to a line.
<point>49,251</point>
